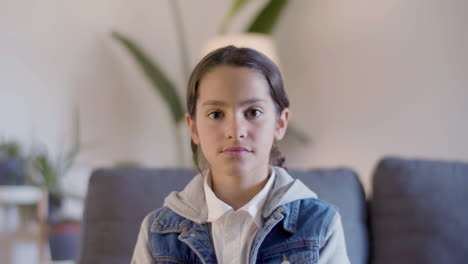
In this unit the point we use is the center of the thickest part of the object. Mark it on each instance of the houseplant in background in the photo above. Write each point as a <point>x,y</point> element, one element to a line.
<point>261,27</point>
<point>12,163</point>
<point>48,172</point>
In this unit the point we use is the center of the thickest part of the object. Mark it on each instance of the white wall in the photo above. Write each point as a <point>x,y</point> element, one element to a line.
<point>375,78</point>
<point>365,78</point>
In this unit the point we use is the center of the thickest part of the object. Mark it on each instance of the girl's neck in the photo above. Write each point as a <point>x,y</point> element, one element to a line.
<point>236,190</point>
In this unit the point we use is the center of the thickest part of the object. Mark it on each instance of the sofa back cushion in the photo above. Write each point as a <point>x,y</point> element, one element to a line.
<point>419,212</point>
<point>119,199</point>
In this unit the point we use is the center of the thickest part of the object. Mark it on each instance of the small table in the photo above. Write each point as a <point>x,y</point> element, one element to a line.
<point>17,196</point>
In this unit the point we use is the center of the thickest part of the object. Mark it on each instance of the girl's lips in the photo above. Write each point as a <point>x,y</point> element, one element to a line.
<point>236,151</point>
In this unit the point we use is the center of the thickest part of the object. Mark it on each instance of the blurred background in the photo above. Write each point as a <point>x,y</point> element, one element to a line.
<point>366,79</point>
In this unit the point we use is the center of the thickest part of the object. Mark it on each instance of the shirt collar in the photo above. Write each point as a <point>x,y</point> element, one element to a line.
<point>217,208</point>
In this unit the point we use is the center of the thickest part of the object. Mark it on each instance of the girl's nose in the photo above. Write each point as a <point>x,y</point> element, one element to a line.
<point>236,128</point>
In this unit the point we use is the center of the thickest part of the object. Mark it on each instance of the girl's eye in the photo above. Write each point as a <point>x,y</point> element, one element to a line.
<point>215,115</point>
<point>254,113</point>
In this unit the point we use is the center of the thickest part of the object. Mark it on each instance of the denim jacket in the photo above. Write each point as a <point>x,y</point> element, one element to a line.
<point>297,228</point>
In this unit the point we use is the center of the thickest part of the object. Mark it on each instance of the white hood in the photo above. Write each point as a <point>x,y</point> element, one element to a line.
<point>190,202</point>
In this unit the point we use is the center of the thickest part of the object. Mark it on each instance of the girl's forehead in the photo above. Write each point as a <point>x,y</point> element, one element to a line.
<point>233,83</point>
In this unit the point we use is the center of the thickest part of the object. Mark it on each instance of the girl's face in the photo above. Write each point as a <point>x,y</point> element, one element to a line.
<point>236,121</point>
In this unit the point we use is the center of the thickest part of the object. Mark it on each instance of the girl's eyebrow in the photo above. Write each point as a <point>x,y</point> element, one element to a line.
<point>222,103</point>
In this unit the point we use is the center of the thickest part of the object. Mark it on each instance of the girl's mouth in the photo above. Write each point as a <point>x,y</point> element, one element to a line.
<point>236,151</point>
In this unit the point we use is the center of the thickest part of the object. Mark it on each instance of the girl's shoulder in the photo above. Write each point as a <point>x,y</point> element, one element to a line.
<point>317,206</point>
<point>164,220</point>
<point>317,209</point>
<point>312,213</point>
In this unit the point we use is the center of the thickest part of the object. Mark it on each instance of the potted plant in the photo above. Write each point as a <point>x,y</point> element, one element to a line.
<point>49,171</point>
<point>12,163</point>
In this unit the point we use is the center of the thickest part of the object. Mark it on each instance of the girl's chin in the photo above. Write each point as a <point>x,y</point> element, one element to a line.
<point>233,167</point>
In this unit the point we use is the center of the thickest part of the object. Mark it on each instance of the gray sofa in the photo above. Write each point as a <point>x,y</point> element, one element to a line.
<point>418,212</point>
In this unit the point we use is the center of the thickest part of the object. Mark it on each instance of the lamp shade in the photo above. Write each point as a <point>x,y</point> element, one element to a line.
<point>260,42</point>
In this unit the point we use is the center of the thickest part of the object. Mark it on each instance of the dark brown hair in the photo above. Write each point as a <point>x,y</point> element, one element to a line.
<point>238,57</point>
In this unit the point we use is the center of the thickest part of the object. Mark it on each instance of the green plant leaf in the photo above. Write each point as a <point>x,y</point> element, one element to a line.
<point>9,148</point>
<point>267,18</point>
<point>75,148</point>
<point>236,6</point>
<point>49,173</point>
<point>158,78</point>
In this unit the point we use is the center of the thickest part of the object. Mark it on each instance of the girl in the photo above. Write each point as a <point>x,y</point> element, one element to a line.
<point>243,206</point>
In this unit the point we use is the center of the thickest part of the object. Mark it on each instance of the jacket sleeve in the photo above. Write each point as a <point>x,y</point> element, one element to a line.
<point>334,249</point>
<point>141,253</point>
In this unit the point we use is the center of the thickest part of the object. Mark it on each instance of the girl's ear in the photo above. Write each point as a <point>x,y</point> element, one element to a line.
<point>281,124</point>
<point>192,128</point>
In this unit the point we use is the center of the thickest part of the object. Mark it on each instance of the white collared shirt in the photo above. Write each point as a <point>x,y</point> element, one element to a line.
<point>233,230</point>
